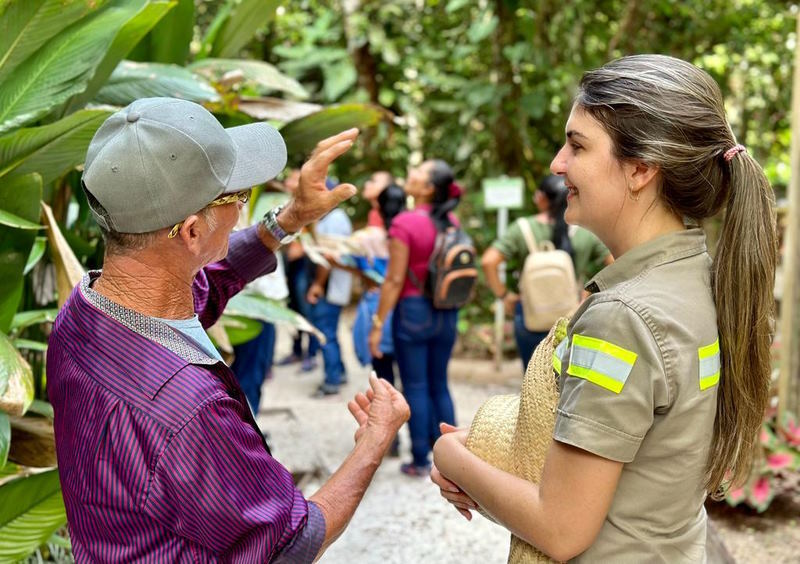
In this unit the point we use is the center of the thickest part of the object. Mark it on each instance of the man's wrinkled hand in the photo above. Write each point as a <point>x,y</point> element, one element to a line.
<point>312,199</point>
<point>382,410</point>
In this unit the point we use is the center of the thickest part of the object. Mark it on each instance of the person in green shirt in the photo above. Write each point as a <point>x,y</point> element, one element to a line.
<point>589,255</point>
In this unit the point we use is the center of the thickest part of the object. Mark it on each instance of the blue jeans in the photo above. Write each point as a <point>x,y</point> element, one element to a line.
<point>299,278</point>
<point>423,343</point>
<point>527,341</point>
<point>252,363</point>
<point>325,317</point>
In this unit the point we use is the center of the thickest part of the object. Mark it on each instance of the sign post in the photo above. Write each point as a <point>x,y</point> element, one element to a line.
<point>502,194</point>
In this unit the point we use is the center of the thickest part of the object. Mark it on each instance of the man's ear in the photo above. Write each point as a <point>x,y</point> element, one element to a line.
<point>640,174</point>
<point>191,230</point>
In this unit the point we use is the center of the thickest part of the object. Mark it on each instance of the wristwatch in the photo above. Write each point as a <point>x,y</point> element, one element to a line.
<point>377,322</point>
<point>270,221</point>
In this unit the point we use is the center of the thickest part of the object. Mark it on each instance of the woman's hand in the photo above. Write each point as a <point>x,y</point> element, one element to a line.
<point>510,302</point>
<point>449,490</point>
<point>375,335</point>
<point>315,292</point>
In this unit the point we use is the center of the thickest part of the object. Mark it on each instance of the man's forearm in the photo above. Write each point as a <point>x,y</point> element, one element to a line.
<point>338,498</point>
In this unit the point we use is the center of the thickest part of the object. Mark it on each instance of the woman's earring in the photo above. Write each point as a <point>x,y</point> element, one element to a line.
<point>633,197</point>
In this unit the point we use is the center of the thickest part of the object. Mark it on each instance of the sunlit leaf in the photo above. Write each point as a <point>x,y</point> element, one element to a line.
<point>239,329</point>
<point>68,269</point>
<point>31,509</point>
<point>11,220</point>
<point>37,251</point>
<point>256,306</point>
<point>242,18</point>
<point>276,109</point>
<point>170,39</point>
<point>27,318</point>
<point>16,379</point>
<point>132,80</point>
<point>19,196</point>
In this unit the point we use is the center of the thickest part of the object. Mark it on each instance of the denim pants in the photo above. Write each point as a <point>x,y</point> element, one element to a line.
<point>423,343</point>
<point>299,278</point>
<point>252,362</point>
<point>325,317</point>
<point>527,341</point>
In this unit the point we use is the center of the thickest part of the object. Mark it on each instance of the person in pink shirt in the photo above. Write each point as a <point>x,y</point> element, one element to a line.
<point>373,187</point>
<point>423,336</point>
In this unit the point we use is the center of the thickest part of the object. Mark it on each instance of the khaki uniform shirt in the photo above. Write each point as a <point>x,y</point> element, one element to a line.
<point>638,375</point>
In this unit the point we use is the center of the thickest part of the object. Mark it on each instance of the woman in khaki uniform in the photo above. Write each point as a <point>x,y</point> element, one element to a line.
<point>665,369</point>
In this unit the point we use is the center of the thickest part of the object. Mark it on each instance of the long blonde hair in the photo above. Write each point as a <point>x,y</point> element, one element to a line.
<point>667,112</point>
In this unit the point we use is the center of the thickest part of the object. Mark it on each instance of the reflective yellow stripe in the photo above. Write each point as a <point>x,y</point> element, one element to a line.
<point>610,349</point>
<point>556,363</point>
<point>710,363</point>
<point>600,362</point>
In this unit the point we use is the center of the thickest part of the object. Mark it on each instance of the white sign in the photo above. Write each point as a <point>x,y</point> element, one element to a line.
<point>504,192</point>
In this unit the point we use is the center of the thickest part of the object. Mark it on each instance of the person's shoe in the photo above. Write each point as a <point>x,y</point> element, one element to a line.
<point>325,390</point>
<point>289,359</point>
<point>308,365</point>
<point>411,469</point>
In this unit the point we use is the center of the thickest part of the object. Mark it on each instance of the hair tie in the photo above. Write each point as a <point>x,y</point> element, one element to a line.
<point>733,151</point>
<point>455,190</point>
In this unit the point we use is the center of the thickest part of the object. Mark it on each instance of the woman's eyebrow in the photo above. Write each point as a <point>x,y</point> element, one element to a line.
<point>573,133</point>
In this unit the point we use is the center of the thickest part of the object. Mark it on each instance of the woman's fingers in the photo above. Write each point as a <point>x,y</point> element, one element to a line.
<point>466,513</point>
<point>459,499</point>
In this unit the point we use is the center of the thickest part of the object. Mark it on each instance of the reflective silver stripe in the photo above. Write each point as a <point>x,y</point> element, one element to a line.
<point>710,366</point>
<point>600,362</point>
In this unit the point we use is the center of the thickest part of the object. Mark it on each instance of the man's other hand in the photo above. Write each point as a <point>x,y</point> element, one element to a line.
<point>381,411</point>
<point>312,199</point>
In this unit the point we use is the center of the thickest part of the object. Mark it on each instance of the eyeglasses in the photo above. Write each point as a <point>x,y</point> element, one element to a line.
<point>242,196</point>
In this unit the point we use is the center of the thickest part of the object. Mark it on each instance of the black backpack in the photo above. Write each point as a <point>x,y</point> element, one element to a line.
<point>452,272</point>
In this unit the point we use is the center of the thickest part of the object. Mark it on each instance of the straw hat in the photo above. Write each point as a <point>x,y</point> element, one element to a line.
<point>514,432</point>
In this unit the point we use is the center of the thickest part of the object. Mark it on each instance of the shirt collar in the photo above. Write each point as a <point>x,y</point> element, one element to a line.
<point>661,250</point>
<point>149,327</point>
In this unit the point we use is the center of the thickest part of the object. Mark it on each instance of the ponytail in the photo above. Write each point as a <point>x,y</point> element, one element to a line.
<point>742,279</point>
<point>441,177</point>
<point>555,191</point>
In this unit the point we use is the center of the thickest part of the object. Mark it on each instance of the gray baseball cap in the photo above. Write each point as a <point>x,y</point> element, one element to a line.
<point>159,160</point>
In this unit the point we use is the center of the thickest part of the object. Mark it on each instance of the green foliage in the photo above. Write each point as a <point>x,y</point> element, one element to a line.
<point>260,77</point>
<point>131,81</point>
<point>170,39</point>
<point>235,25</point>
<point>31,509</point>
<point>20,197</point>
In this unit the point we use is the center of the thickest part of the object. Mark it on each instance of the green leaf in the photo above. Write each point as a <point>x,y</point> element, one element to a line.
<point>27,318</point>
<point>25,26</point>
<point>12,220</point>
<point>20,196</point>
<point>29,345</point>
<point>9,471</point>
<point>5,438</point>
<point>62,67</point>
<point>51,150</point>
<point>255,306</point>
<point>16,379</point>
<point>339,78</point>
<point>240,329</point>
<point>37,252</point>
<point>43,408</point>
<point>244,18</point>
<point>169,41</point>
<point>261,76</point>
<point>302,135</point>
<point>455,5</point>
<point>31,509</point>
<point>133,80</point>
<point>150,12</point>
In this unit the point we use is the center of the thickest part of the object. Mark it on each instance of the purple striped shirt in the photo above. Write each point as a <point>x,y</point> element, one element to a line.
<point>159,456</point>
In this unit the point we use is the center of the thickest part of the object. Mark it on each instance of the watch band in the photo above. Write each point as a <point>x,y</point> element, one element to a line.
<point>270,221</point>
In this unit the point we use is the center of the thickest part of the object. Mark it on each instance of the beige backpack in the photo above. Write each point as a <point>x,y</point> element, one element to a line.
<point>547,285</point>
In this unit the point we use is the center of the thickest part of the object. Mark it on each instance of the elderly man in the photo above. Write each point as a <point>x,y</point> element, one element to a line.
<point>159,455</point>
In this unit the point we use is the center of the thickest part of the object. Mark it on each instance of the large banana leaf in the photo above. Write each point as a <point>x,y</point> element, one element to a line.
<point>62,67</point>
<point>169,41</point>
<point>51,150</point>
<point>16,379</point>
<point>31,509</point>
<point>303,134</point>
<point>5,438</point>
<point>255,306</point>
<point>27,25</point>
<point>259,75</point>
<point>133,80</point>
<point>19,196</point>
<point>149,14</point>
<point>68,268</point>
<point>235,25</point>
<point>238,330</point>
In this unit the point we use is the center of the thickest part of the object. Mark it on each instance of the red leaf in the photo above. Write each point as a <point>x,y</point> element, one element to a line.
<point>761,493</point>
<point>780,460</point>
